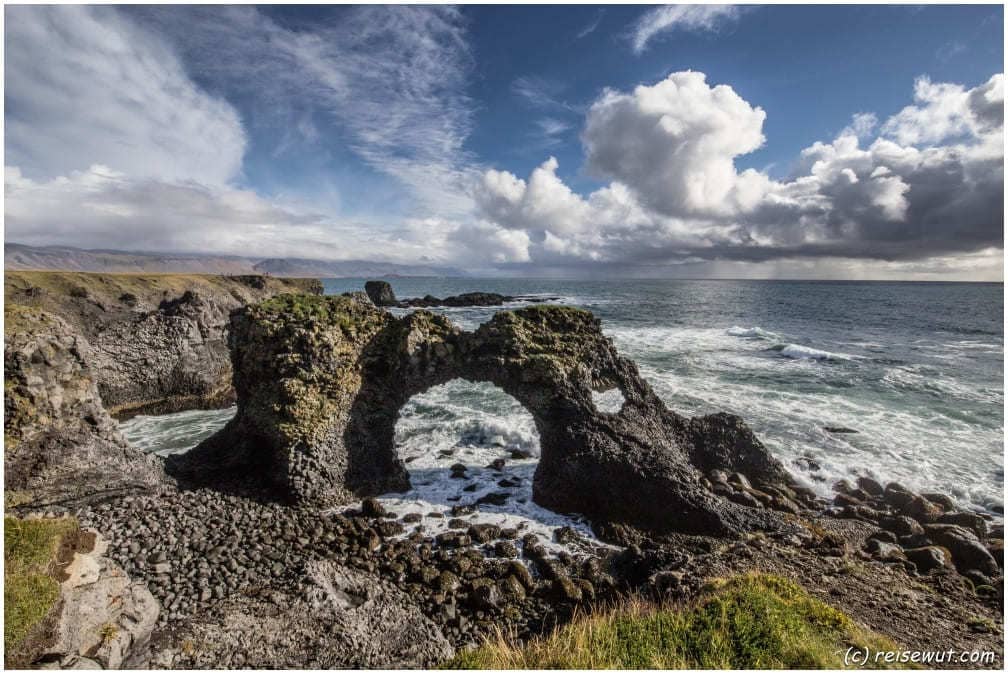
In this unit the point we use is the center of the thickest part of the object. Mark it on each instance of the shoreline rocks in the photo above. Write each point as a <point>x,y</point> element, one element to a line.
<point>320,382</point>
<point>382,295</point>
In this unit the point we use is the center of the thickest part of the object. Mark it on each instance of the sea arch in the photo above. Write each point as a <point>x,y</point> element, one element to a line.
<point>320,382</point>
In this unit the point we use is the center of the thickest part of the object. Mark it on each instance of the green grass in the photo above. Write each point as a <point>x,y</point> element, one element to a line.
<point>30,591</point>
<point>746,622</point>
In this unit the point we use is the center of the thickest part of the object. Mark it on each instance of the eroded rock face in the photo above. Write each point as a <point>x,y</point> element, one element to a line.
<point>155,343</point>
<point>105,619</point>
<point>61,446</point>
<point>381,293</point>
<point>321,380</point>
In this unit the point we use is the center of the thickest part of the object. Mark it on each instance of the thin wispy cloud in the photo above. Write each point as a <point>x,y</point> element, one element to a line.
<point>670,18</point>
<point>391,78</point>
<point>592,26</point>
<point>544,94</point>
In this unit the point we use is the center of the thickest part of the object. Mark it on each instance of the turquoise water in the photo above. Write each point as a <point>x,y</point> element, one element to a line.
<point>915,368</point>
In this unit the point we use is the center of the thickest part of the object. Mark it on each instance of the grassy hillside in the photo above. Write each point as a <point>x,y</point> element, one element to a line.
<point>746,622</point>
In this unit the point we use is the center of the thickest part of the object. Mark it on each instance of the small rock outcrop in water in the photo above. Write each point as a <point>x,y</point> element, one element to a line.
<point>463,300</point>
<point>381,293</point>
<point>321,380</point>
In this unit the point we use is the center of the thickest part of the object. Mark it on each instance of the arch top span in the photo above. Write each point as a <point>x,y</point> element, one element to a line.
<point>320,382</point>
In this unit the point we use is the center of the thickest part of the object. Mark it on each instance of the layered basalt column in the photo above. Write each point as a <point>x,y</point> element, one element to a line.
<point>320,383</point>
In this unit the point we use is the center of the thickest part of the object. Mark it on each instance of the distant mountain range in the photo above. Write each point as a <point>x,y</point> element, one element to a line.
<point>21,257</point>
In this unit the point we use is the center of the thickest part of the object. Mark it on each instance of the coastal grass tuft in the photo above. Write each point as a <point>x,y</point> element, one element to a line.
<point>753,621</point>
<point>30,590</point>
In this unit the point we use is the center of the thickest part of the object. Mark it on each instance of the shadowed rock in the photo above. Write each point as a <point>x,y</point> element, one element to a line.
<point>321,381</point>
<point>381,293</point>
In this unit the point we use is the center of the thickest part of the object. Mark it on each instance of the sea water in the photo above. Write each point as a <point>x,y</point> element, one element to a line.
<point>913,372</point>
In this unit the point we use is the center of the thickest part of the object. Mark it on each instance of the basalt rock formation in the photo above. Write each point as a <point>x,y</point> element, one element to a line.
<point>60,445</point>
<point>155,343</point>
<point>78,347</point>
<point>320,382</point>
<point>382,295</point>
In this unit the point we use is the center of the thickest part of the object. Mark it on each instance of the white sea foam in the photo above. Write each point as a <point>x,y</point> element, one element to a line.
<point>736,331</point>
<point>474,425</point>
<point>797,351</point>
<point>166,434</point>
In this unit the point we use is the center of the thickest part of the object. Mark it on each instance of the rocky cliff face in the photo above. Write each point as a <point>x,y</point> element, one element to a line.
<point>155,343</point>
<point>321,380</point>
<point>79,346</point>
<point>60,443</point>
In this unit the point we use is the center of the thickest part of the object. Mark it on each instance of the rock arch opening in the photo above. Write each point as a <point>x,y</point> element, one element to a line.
<point>320,383</point>
<point>468,443</point>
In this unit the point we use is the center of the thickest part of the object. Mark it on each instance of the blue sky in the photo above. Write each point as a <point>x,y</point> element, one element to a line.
<point>567,140</point>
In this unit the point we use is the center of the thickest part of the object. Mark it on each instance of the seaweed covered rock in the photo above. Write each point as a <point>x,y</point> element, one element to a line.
<point>321,380</point>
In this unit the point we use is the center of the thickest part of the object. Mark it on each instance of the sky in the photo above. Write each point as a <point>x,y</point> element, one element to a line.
<point>860,142</point>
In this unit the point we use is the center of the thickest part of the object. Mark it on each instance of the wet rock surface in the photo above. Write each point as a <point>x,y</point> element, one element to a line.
<point>923,532</point>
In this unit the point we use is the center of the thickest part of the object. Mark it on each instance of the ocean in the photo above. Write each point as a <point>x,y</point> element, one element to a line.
<point>898,381</point>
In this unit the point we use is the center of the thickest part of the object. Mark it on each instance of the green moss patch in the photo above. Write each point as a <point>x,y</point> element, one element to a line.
<point>747,622</point>
<point>30,588</point>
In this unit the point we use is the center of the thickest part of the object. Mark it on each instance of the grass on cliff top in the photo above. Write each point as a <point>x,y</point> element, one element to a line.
<point>746,622</point>
<point>30,591</point>
<point>62,284</point>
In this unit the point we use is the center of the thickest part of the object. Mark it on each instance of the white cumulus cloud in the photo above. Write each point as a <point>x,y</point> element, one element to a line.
<point>929,186</point>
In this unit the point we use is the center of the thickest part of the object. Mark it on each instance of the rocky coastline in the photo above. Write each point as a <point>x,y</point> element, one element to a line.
<point>382,295</point>
<point>306,570</point>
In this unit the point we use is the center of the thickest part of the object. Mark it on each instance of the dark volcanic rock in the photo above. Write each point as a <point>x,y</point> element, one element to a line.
<point>321,380</point>
<point>463,300</point>
<point>968,554</point>
<point>381,293</point>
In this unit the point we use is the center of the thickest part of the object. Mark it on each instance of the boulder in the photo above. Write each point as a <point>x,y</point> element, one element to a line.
<point>897,496</point>
<point>967,520</point>
<point>381,293</point>
<point>929,558</point>
<point>968,553</point>
<point>321,380</point>
<point>887,552</point>
<point>104,617</point>
<point>869,485</point>
<point>901,525</point>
